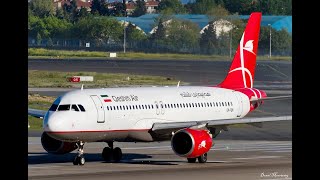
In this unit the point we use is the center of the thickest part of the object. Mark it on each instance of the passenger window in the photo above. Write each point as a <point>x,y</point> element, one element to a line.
<point>81,107</point>
<point>53,107</point>
<point>64,107</point>
<point>74,107</point>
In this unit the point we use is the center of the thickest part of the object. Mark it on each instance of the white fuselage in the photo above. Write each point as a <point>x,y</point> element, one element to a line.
<point>125,114</point>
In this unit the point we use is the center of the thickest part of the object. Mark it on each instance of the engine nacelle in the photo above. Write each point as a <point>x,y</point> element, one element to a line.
<point>191,143</point>
<point>55,146</point>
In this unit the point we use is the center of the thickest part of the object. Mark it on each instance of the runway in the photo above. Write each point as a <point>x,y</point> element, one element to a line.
<point>228,159</point>
<point>243,152</point>
<point>270,74</point>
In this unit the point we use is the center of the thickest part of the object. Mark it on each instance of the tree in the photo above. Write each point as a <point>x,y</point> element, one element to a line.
<point>42,8</point>
<point>281,43</point>
<point>99,7</point>
<point>217,13</point>
<point>100,29</point>
<point>208,40</point>
<point>140,9</point>
<point>119,10</point>
<point>134,36</point>
<point>202,6</point>
<point>173,5</point>
<point>183,36</point>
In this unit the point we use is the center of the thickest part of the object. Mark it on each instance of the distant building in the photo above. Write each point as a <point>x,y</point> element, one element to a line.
<point>80,3</point>
<point>130,7</point>
<point>151,6</point>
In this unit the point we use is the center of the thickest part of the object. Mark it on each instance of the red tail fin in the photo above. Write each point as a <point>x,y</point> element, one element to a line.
<point>241,73</point>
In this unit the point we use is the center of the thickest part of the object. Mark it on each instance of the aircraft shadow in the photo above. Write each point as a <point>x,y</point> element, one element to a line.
<point>45,158</point>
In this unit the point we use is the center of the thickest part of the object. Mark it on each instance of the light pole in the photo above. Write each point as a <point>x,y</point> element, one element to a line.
<point>270,42</point>
<point>124,35</point>
<point>230,43</point>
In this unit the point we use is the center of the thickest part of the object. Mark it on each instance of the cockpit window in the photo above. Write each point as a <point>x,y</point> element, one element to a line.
<point>81,107</point>
<point>64,107</point>
<point>74,107</point>
<point>53,107</point>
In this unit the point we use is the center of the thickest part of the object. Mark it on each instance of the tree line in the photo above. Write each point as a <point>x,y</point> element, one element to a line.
<point>178,36</point>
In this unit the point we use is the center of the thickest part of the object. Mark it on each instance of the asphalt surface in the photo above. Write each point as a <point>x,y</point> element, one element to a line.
<point>243,152</point>
<point>228,159</point>
<point>273,74</point>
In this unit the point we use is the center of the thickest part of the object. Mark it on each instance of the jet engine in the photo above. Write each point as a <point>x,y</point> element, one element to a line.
<point>55,146</point>
<point>191,143</point>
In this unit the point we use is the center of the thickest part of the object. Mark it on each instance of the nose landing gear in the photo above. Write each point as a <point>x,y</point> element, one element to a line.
<point>79,159</point>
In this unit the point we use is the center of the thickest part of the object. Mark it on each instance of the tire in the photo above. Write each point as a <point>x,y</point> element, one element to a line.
<point>81,160</point>
<point>117,154</point>
<point>107,154</point>
<point>75,161</point>
<point>203,158</point>
<point>192,160</point>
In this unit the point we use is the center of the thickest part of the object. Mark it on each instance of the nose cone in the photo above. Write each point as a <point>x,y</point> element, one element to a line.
<point>53,122</point>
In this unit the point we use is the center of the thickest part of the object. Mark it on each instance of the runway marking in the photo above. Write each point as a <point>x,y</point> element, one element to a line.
<point>259,157</point>
<point>277,179</point>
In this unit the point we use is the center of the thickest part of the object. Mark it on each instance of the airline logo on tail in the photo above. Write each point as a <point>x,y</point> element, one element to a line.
<point>248,47</point>
<point>241,73</point>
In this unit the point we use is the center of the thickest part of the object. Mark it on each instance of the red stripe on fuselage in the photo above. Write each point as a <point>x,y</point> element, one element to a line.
<point>124,130</point>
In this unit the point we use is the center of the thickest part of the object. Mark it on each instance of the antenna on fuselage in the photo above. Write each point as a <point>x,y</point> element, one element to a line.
<point>178,84</point>
<point>81,87</point>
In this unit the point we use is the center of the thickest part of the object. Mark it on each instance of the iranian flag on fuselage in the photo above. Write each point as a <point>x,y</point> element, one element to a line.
<point>106,98</point>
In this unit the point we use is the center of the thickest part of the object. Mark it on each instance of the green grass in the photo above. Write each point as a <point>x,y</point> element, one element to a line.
<point>36,101</point>
<point>59,79</point>
<point>62,54</point>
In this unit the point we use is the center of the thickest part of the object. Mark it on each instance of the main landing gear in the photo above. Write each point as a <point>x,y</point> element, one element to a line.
<point>109,154</point>
<point>79,159</point>
<point>201,159</point>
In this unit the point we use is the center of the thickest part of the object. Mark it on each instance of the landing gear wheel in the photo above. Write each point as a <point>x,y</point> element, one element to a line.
<point>75,160</point>
<point>79,159</point>
<point>192,160</point>
<point>107,154</point>
<point>117,154</point>
<point>203,158</point>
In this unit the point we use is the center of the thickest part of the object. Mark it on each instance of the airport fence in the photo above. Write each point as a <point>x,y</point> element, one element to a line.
<point>144,46</point>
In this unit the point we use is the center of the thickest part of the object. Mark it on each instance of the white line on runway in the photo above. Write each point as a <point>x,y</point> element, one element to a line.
<point>259,157</point>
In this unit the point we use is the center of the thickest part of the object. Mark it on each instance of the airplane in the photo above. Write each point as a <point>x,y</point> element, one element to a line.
<point>188,116</point>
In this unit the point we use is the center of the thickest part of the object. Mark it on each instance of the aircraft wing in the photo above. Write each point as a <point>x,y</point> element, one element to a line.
<point>163,130</point>
<point>36,113</point>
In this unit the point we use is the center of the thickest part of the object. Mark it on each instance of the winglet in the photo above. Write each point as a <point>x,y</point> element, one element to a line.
<point>81,87</point>
<point>178,84</point>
